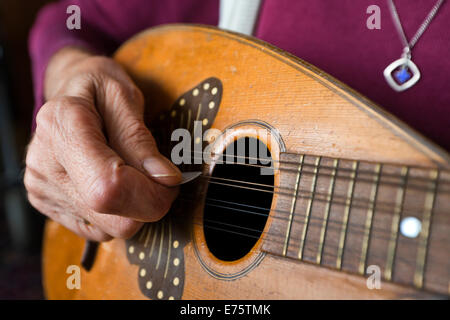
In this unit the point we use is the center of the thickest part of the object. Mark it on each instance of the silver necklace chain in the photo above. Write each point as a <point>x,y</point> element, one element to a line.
<point>408,46</point>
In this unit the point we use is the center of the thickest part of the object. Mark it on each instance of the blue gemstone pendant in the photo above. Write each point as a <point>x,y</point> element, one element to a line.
<point>402,75</point>
<point>403,78</point>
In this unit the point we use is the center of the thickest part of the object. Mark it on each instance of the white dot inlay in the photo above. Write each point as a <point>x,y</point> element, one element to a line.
<point>131,249</point>
<point>214,90</point>
<point>206,86</point>
<point>197,140</point>
<point>149,285</point>
<point>173,113</point>
<point>176,281</point>
<point>182,102</point>
<point>160,294</point>
<point>195,92</point>
<point>176,244</point>
<point>143,272</point>
<point>171,298</point>
<point>410,227</point>
<point>176,262</point>
<point>205,122</point>
<point>141,256</point>
<point>211,105</point>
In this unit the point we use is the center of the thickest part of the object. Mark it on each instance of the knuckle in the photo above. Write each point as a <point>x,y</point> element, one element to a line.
<point>45,117</point>
<point>27,181</point>
<point>104,195</point>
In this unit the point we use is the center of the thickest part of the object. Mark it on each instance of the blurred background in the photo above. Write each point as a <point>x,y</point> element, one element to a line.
<point>20,225</point>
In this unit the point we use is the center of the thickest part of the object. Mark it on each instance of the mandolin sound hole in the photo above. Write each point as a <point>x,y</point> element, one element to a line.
<point>238,200</point>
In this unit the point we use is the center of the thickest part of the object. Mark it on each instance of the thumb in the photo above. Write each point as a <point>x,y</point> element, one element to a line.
<point>130,138</point>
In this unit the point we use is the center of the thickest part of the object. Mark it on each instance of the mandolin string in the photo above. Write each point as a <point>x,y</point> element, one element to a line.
<point>370,173</point>
<point>313,194</point>
<point>356,228</point>
<point>359,229</point>
<point>276,238</point>
<point>281,218</point>
<point>360,180</point>
<point>313,197</point>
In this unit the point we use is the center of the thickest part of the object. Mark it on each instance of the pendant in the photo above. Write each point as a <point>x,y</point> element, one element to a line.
<point>402,74</point>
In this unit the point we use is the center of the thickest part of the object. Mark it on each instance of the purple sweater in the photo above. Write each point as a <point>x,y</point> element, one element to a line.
<point>331,34</point>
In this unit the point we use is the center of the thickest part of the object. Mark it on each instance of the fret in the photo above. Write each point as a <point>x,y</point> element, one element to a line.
<point>395,224</point>
<point>294,201</point>
<point>329,199</point>
<point>424,234</point>
<point>369,219</point>
<point>437,267</point>
<point>346,214</point>
<point>308,210</point>
<point>348,203</point>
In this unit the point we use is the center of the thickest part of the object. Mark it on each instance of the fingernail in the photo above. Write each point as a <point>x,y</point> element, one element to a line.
<point>162,170</point>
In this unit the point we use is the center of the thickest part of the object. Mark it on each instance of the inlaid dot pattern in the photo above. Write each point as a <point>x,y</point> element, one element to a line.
<point>149,285</point>
<point>206,86</point>
<point>171,298</point>
<point>176,281</point>
<point>205,122</point>
<point>173,113</point>
<point>214,90</point>
<point>410,227</point>
<point>131,249</point>
<point>176,262</point>
<point>182,102</point>
<point>175,244</point>
<point>195,92</point>
<point>141,256</point>
<point>160,294</point>
<point>143,272</point>
<point>197,140</point>
<point>211,105</point>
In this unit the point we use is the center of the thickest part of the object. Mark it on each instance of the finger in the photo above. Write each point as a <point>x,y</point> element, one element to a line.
<point>71,222</point>
<point>116,226</point>
<point>123,109</point>
<point>100,176</point>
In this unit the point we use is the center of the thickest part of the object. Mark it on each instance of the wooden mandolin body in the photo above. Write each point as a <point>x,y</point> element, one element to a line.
<point>261,86</point>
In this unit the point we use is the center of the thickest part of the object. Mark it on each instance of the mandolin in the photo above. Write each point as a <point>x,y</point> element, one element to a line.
<point>329,196</point>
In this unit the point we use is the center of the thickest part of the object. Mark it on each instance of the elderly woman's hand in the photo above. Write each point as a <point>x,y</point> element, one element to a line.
<point>92,164</point>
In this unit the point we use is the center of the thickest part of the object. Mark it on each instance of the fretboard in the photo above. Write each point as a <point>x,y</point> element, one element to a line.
<point>349,215</point>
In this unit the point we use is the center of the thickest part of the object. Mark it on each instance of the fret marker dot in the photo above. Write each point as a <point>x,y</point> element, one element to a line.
<point>206,86</point>
<point>211,105</point>
<point>410,227</point>
<point>205,122</point>
<point>182,102</point>
<point>214,90</point>
<point>173,114</point>
<point>176,262</point>
<point>149,285</point>
<point>171,298</point>
<point>141,256</point>
<point>160,294</point>
<point>143,272</point>
<point>176,281</point>
<point>197,140</point>
<point>176,244</point>
<point>131,249</point>
<point>195,92</point>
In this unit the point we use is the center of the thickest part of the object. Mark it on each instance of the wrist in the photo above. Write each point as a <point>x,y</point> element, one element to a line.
<point>61,67</point>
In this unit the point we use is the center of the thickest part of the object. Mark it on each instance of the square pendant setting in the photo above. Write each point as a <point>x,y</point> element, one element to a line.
<point>405,80</point>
